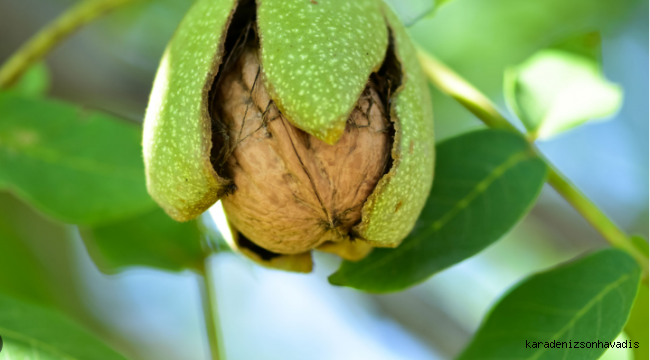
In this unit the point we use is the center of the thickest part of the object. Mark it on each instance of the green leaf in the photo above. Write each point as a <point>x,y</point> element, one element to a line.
<point>75,165</point>
<point>35,82</point>
<point>586,300</point>
<point>554,91</point>
<point>637,326</point>
<point>33,332</point>
<point>485,182</point>
<point>152,239</point>
<point>38,260</point>
<point>22,274</point>
<point>619,353</point>
<point>317,57</point>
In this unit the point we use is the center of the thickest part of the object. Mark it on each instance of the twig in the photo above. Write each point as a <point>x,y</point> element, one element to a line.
<point>51,35</point>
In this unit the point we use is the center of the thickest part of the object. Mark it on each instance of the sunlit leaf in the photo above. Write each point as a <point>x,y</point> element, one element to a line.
<point>637,326</point>
<point>584,301</point>
<point>33,332</point>
<point>555,90</point>
<point>152,239</point>
<point>485,182</point>
<point>75,165</point>
<point>35,82</point>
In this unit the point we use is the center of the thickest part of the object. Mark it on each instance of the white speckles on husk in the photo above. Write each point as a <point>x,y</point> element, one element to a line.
<point>391,211</point>
<point>317,57</point>
<point>177,133</point>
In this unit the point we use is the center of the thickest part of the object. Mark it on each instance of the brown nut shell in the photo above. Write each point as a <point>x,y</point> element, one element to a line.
<point>293,191</point>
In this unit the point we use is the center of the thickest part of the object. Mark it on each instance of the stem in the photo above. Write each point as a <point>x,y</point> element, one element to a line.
<point>210,312</point>
<point>51,35</point>
<point>467,95</point>
<point>615,236</point>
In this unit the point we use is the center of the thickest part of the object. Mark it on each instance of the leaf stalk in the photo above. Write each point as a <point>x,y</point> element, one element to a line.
<point>51,35</point>
<point>211,312</point>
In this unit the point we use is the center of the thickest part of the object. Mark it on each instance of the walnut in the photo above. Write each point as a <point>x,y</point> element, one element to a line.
<point>292,191</point>
<point>310,121</point>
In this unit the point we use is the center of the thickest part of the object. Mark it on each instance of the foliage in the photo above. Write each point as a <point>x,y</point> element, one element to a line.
<point>588,300</point>
<point>637,325</point>
<point>84,167</point>
<point>151,239</point>
<point>555,91</point>
<point>52,152</point>
<point>34,332</point>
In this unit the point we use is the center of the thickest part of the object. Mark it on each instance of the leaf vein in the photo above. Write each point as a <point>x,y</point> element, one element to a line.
<point>477,190</point>
<point>10,334</point>
<point>569,326</point>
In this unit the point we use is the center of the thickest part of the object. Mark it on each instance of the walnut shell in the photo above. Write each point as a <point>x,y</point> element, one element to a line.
<point>295,192</point>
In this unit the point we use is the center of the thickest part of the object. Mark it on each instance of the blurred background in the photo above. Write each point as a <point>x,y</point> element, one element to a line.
<point>266,314</point>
